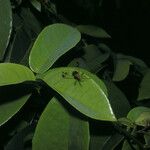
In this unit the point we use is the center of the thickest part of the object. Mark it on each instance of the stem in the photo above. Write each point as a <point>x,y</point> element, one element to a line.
<point>129,136</point>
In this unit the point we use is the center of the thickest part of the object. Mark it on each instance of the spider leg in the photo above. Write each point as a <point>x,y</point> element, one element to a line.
<point>80,83</point>
<point>83,77</point>
<point>75,82</point>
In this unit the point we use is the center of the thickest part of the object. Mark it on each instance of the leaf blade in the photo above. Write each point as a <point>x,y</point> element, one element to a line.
<point>93,31</point>
<point>62,135</point>
<point>5,25</point>
<point>93,104</point>
<point>9,109</point>
<point>14,73</point>
<point>54,41</point>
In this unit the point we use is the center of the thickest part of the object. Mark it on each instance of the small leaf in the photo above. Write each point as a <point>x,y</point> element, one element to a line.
<point>144,119</point>
<point>88,94</point>
<point>54,41</point>
<point>36,4</point>
<point>144,90</point>
<point>5,25</point>
<point>140,115</point>
<point>10,108</point>
<point>134,60</point>
<point>57,129</point>
<point>121,69</point>
<point>92,59</point>
<point>93,31</point>
<point>13,74</point>
<point>126,122</point>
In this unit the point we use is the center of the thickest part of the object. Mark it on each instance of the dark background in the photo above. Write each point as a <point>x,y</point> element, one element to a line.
<point>127,21</point>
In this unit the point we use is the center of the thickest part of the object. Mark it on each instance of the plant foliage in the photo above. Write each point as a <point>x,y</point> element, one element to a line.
<point>61,85</point>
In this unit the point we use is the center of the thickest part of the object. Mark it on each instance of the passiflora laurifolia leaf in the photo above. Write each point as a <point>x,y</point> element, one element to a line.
<point>10,108</point>
<point>54,41</point>
<point>11,73</point>
<point>83,90</point>
<point>93,31</point>
<point>58,129</point>
<point>140,115</point>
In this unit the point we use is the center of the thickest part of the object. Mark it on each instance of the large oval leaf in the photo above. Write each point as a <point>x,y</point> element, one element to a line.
<point>140,115</point>
<point>87,93</point>
<point>57,129</point>
<point>54,41</point>
<point>13,74</point>
<point>5,25</point>
<point>144,90</point>
<point>10,108</point>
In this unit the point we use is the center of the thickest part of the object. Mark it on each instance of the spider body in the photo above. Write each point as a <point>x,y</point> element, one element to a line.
<point>76,76</point>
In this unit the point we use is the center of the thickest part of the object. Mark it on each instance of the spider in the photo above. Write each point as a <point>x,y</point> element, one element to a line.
<point>76,75</point>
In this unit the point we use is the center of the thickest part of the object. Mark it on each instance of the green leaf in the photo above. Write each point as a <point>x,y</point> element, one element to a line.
<point>92,59</point>
<point>88,94</point>
<point>5,25</point>
<point>96,141</point>
<point>126,146</point>
<point>10,108</point>
<point>134,60</point>
<point>13,74</point>
<point>126,122</point>
<point>36,4</point>
<point>140,115</point>
<point>18,140</point>
<point>93,31</point>
<point>147,138</point>
<point>57,129</point>
<point>103,136</point>
<point>54,41</point>
<point>121,69</point>
<point>144,90</point>
<point>105,142</point>
<point>112,142</point>
<point>117,100</point>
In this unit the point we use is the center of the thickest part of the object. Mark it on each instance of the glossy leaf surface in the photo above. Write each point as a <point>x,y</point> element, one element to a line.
<point>83,90</point>
<point>54,41</point>
<point>13,74</point>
